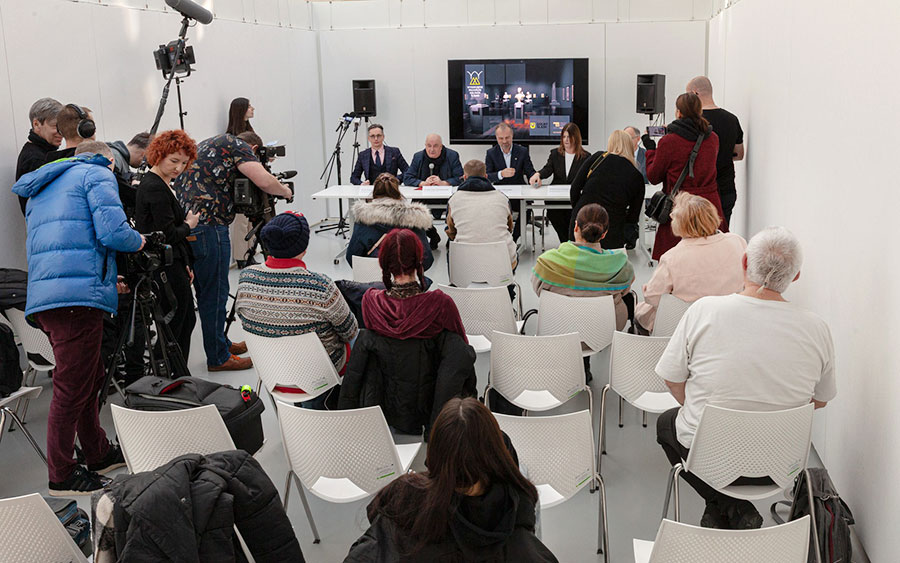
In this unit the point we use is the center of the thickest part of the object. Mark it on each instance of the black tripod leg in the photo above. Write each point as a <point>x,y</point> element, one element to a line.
<point>171,351</point>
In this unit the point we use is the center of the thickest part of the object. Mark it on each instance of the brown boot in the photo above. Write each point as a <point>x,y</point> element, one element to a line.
<point>234,363</point>
<point>238,348</point>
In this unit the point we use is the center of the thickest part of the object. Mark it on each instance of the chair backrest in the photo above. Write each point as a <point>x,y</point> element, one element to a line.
<point>535,363</point>
<point>32,532</point>
<point>366,269</point>
<point>676,542</point>
<point>33,340</point>
<point>557,451</point>
<point>669,312</point>
<point>355,444</point>
<point>485,262</point>
<point>632,363</point>
<point>594,318</point>
<point>483,309</point>
<point>150,439</point>
<point>731,443</point>
<point>293,361</point>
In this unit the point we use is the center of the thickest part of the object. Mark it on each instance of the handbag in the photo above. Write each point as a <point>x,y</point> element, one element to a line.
<point>660,205</point>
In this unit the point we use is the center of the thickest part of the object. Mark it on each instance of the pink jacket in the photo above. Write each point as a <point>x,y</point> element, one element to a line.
<point>694,268</point>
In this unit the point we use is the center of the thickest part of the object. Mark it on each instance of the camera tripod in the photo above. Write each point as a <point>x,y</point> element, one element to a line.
<point>166,358</point>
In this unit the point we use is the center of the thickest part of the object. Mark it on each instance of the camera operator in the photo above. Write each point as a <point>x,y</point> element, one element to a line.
<point>157,209</point>
<point>75,226</point>
<point>127,157</point>
<point>208,183</point>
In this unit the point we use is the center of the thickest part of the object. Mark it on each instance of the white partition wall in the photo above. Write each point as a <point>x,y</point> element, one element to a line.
<point>815,86</point>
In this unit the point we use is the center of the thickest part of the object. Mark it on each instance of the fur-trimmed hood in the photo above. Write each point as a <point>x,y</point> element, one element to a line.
<point>394,212</point>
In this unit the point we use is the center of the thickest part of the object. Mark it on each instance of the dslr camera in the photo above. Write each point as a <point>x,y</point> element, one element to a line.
<point>156,254</point>
<point>251,201</point>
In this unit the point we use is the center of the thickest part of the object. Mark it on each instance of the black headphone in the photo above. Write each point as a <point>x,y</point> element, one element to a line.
<point>86,126</point>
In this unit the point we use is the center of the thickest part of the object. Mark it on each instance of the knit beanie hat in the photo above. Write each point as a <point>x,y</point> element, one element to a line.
<point>286,235</point>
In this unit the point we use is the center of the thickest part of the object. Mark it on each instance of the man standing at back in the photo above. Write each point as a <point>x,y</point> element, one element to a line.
<point>76,125</point>
<point>751,350</point>
<point>731,141</point>
<point>43,139</point>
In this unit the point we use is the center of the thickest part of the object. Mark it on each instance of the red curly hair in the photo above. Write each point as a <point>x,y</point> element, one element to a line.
<point>169,142</point>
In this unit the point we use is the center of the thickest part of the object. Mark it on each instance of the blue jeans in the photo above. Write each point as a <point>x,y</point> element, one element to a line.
<point>212,257</point>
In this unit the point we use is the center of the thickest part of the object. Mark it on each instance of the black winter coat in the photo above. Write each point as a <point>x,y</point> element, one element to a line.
<point>32,156</point>
<point>186,510</point>
<point>616,185</point>
<point>497,527</point>
<point>410,379</point>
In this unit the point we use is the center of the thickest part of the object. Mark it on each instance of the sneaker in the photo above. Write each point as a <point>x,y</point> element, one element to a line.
<point>238,348</point>
<point>114,459</point>
<point>234,363</point>
<point>80,482</point>
<point>742,515</point>
<point>713,517</point>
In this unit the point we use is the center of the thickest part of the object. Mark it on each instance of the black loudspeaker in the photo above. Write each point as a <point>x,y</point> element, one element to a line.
<point>364,98</point>
<point>651,93</point>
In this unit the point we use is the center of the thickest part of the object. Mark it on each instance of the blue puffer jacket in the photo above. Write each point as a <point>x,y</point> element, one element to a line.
<point>75,226</point>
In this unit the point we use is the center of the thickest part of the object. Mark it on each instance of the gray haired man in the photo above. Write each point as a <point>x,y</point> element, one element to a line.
<point>43,138</point>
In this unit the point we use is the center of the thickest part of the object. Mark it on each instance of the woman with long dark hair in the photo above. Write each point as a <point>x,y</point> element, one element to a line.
<point>563,164</point>
<point>473,503</point>
<point>665,164</point>
<point>239,115</point>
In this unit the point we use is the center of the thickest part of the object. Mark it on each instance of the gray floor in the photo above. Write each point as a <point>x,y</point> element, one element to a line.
<point>634,470</point>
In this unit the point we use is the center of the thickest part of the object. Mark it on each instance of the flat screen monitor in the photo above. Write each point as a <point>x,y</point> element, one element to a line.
<point>537,97</point>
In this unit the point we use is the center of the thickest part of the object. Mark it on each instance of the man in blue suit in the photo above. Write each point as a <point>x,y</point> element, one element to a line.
<point>508,163</point>
<point>640,154</point>
<point>378,159</point>
<point>437,165</point>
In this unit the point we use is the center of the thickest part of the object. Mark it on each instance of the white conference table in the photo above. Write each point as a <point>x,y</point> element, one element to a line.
<point>554,195</point>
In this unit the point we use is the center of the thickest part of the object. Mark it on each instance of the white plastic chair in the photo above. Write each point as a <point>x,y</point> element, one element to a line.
<point>594,318</point>
<point>537,373</point>
<point>675,542</point>
<point>33,532</point>
<point>669,312</point>
<point>558,452</point>
<point>482,263</point>
<point>483,310</point>
<point>366,269</point>
<point>37,349</point>
<point>340,456</point>
<point>150,439</point>
<point>292,361</point>
<point>730,444</point>
<point>23,394</point>
<point>632,375</point>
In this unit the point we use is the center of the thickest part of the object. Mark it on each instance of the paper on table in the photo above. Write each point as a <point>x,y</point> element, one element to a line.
<point>365,191</point>
<point>510,191</point>
<point>557,190</point>
<point>436,190</point>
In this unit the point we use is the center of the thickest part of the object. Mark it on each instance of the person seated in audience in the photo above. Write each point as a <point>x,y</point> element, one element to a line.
<point>705,261</point>
<point>584,269</point>
<point>379,159</point>
<point>472,504</point>
<point>283,298</point>
<point>388,210</point>
<point>751,350</point>
<point>437,165</point>
<point>611,179</point>
<point>479,213</point>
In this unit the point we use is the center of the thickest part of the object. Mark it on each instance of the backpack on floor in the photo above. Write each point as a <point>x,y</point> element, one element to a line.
<point>10,369</point>
<point>831,515</point>
<point>74,520</point>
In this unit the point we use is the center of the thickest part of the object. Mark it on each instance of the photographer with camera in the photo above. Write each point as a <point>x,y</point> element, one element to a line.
<point>208,183</point>
<point>75,226</point>
<point>157,209</point>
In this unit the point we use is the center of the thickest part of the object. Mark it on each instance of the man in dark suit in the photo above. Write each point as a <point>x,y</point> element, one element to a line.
<point>378,159</point>
<point>640,154</point>
<point>508,163</point>
<point>437,165</point>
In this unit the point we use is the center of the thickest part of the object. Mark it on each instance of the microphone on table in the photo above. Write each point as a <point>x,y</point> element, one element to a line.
<point>431,169</point>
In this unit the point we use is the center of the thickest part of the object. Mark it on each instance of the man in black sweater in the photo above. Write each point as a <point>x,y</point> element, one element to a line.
<point>42,139</point>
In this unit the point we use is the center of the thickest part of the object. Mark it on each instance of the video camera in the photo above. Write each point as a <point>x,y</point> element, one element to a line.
<point>251,201</point>
<point>156,254</point>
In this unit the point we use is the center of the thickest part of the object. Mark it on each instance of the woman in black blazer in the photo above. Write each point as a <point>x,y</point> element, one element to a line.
<point>611,179</point>
<point>563,164</point>
<point>157,209</point>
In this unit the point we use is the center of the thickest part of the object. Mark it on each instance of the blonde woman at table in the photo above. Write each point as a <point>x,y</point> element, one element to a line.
<point>704,262</point>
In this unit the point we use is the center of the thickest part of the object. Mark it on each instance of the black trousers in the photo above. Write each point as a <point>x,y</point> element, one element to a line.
<point>728,199</point>
<point>184,319</point>
<point>666,437</point>
<point>560,219</point>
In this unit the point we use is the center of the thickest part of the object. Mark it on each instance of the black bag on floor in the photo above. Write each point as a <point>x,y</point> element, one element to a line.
<point>10,369</point>
<point>241,413</point>
<point>831,514</point>
<point>74,520</point>
<point>13,288</point>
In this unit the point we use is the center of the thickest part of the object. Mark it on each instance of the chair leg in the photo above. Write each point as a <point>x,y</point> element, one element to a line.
<point>602,423</point>
<point>309,516</point>
<point>487,393</point>
<point>670,484</point>
<point>12,426</point>
<point>287,489</point>
<point>644,421</point>
<point>4,411</point>
<point>544,225</point>
<point>675,494</point>
<point>621,403</point>
<point>602,525</point>
<point>518,298</point>
<point>813,529</point>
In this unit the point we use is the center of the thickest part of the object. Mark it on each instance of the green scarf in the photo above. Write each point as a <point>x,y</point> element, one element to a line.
<point>581,267</point>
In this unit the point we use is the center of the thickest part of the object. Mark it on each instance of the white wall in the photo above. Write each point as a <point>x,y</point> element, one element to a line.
<point>108,66</point>
<point>409,66</point>
<point>815,84</point>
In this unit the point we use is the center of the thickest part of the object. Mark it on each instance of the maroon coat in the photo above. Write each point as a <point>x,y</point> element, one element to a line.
<point>665,163</point>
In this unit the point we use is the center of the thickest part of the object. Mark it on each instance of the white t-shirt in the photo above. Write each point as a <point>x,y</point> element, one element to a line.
<point>570,158</point>
<point>750,354</point>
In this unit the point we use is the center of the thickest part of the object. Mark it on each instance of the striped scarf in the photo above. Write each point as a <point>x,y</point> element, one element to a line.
<point>583,268</point>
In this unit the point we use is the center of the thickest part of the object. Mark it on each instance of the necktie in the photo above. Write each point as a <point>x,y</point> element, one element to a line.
<point>378,158</point>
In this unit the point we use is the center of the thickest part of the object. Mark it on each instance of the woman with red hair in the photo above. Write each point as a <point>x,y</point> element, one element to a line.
<point>157,209</point>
